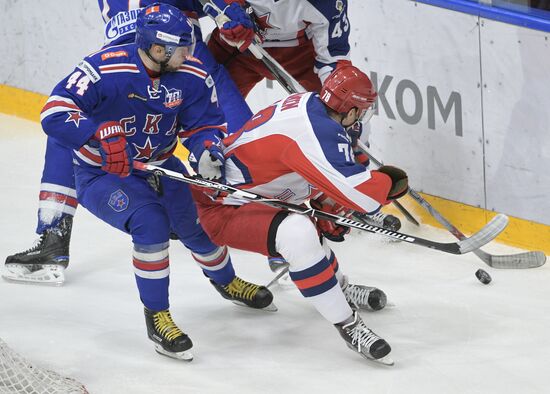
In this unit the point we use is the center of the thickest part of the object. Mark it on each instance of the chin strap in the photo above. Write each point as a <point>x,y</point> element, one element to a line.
<point>161,64</point>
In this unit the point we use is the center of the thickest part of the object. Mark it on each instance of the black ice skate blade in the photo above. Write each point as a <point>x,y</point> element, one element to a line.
<point>270,308</point>
<point>181,356</point>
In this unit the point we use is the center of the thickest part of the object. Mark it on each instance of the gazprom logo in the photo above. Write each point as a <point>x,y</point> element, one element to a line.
<point>431,101</point>
<point>122,23</point>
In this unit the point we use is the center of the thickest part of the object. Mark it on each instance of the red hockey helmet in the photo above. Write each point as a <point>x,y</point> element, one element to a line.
<point>348,87</point>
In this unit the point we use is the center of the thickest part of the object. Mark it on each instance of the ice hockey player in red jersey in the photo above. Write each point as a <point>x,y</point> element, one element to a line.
<point>297,150</point>
<point>309,38</point>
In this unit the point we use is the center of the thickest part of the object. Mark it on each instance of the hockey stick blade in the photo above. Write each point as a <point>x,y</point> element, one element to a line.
<point>523,260</point>
<point>486,234</point>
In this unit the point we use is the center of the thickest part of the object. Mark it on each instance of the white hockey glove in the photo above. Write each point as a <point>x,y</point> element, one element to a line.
<point>211,162</point>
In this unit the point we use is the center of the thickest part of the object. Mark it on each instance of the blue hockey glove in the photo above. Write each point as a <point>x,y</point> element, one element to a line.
<point>235,25</point>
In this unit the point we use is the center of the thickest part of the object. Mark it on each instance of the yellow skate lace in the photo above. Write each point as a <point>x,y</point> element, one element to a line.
<point>166,326</point>
<point>241,289</point>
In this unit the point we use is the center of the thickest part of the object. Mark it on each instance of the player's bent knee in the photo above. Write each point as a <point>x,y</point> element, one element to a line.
<point>297,241</point>
<point>149,225</point>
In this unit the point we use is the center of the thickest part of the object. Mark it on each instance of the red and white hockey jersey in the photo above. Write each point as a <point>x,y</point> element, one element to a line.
<point>285,23</point>
<point>292,150</point>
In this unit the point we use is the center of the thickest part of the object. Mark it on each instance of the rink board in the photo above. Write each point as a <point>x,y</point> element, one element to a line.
<point>520,232</point>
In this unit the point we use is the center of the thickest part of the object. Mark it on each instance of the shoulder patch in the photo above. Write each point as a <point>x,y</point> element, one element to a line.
<point>89,71</point>
<point>209,81</point>
<point>110,55</point>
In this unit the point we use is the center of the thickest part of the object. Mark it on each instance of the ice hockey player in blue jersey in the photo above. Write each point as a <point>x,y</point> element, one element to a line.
<point>46,261</point>
<point>129,103</point>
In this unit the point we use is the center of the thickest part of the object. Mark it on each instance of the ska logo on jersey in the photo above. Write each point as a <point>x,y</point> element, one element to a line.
<point>76,117</point>
<point>119,201</point>
<point>172,98</point>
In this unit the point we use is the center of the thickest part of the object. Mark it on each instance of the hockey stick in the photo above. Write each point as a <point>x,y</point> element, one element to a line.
<point>531,259</point>
<point>486,234</point>
<point>282,273</point>
<point>286,80</point>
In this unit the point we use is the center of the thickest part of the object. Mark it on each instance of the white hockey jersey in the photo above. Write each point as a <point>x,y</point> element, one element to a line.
<point>285,23</point>
<point>292,150</point>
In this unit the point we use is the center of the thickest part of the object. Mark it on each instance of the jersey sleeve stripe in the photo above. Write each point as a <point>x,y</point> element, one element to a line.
<point>193,70</point>
<point>88,157</point>
<point>331,182</point>
<point>119,68</point>
<point>54,105</point>
<point>188,133</point>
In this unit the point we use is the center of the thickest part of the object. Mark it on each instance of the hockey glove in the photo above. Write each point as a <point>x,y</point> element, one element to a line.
<point>235,25</point>
<point>330,230</point>
<point>114,150</point>
<point>399,181</point>
<point>354,132</point>
<point>211,161</point>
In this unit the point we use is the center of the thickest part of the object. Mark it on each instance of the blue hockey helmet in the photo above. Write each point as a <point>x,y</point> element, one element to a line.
<point>165,25</point>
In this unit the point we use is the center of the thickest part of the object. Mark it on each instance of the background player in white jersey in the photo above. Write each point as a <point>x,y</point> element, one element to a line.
<point>295,150</point>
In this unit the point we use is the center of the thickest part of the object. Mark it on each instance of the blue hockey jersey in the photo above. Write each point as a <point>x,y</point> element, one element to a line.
<point>120,28</point>
<point>113,85</point>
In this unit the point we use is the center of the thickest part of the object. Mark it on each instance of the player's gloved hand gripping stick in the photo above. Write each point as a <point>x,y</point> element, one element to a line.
<point>114,150</point>
<point>483,236</point>
<point>531,259</point>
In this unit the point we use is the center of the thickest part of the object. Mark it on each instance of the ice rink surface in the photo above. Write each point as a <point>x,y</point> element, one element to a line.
<point>449,333</point>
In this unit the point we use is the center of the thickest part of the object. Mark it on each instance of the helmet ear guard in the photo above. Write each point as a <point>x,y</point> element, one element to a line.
<point>348,87</point>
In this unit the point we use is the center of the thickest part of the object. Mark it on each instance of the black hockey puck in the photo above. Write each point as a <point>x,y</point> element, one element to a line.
<point>483,277</point>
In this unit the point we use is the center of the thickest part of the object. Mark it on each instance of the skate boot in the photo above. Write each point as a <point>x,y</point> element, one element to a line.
<point>46,261</point>
<point>248,294</point>
<point>168,338</point>
<point>363,297</point>
<point>362,340</point>
<point>380,219</point>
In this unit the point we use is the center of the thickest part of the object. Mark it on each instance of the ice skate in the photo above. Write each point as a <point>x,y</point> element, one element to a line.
<point>362,340</point>
<point>363,297</point>
<point>46,261</point>
<point>380,219</point>
<point>248,294</point>
<point>169,340</point>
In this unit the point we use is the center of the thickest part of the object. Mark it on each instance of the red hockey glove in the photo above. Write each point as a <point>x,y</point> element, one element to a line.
<point>235,25</point>
<point>330,230</point>
<point>114,150</point>
<point>399,181</point>
<point>354,132</point>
